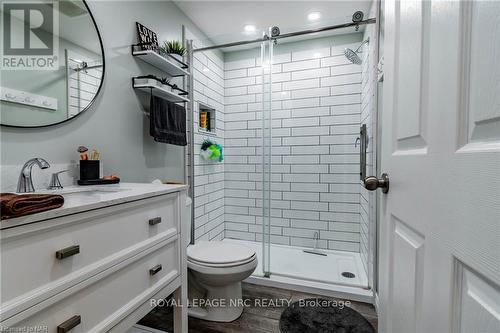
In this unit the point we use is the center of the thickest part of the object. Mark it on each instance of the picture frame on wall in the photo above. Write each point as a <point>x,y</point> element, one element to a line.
<point>147,39</point>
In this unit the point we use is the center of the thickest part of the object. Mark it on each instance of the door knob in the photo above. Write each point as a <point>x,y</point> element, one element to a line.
<point>372,183</point>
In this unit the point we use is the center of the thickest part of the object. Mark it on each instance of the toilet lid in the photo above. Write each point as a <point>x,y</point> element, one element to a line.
<point>217,252</point>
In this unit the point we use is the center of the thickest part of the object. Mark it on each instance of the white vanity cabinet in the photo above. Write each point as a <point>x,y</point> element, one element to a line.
<point>95,266</point>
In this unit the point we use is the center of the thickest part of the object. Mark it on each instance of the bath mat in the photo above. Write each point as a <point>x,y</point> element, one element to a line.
<point>322,316</point>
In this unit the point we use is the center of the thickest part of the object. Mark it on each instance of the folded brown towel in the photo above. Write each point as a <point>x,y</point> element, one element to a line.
<point>14,205</point>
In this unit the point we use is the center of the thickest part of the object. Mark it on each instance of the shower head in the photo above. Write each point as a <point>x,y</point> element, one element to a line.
<point>352,56</point>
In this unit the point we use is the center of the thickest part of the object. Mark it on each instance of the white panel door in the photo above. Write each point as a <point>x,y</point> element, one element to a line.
<point>440,221</point>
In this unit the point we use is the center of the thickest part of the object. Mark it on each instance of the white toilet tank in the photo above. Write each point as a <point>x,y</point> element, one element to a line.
<point>187,221</point>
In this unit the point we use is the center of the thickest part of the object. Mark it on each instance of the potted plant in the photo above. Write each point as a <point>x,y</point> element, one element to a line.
<point>165,84</point>
<point>175,49</point>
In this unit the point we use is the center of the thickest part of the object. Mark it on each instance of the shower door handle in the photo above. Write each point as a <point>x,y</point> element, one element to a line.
<point>363,146</point>
<point>372,183</point>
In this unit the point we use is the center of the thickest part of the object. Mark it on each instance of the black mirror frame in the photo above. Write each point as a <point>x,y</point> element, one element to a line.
<point>100,85</point>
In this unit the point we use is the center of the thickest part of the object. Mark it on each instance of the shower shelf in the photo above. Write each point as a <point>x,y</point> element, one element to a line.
<point>155,59</point>
<point>162,91</point>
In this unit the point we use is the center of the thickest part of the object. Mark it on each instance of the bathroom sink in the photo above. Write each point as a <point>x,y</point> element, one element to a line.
<point>78,195</point>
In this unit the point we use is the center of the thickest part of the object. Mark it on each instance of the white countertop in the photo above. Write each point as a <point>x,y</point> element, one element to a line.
<point>84,198</point>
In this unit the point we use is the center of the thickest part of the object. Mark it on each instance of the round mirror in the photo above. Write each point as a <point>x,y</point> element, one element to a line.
<point>52,65</point>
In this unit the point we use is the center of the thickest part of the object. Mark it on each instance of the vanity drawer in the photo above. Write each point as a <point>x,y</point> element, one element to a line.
<point>77,243</point>
<point>102,304</point>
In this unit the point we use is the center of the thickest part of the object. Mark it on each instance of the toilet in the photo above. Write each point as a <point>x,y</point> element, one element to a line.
<point>215,272</point>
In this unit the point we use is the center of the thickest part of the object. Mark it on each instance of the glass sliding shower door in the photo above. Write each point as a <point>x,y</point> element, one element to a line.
<point>311,193</point>
<point>266,64</point>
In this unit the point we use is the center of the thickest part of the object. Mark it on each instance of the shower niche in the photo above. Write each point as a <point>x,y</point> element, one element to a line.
<point>206,119</point>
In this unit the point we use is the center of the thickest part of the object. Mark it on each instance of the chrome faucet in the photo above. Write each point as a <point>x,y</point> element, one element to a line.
<point>25,183</point>
<point>55,183</point>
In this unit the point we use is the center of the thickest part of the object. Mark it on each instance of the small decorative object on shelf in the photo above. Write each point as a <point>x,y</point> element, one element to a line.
<point>174,49</point>
<point>211,151</point>
<point>147,38</point>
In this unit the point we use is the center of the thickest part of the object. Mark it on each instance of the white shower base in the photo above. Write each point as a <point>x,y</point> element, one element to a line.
<point>294,269</point>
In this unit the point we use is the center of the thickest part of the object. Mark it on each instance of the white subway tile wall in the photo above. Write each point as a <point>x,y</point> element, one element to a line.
<point>208,70</point>
<point>317,96</point>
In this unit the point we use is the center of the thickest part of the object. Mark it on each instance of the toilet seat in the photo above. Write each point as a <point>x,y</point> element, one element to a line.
<point>219,254</point>
<point>239,263</point>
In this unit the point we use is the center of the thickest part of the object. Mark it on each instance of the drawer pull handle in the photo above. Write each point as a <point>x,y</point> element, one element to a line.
<point>68,252</point>
<point>69,324</point>
<point>155,270</point>
<point>155,220</point>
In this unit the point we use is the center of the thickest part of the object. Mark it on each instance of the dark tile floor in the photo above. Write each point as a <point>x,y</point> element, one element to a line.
<point>254,319</point>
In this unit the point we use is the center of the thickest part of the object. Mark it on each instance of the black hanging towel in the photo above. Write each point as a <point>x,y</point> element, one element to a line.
<point>167,122</point>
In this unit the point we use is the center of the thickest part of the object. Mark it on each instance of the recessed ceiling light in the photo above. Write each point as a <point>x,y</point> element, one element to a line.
<point>205,69</point>
<point>249,28</point>
<point>314,16</point>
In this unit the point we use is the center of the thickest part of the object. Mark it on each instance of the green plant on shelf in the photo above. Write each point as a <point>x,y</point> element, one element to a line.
<point>173,47</point>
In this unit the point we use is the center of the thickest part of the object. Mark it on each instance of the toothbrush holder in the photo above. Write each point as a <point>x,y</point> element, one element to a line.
<point>89,169</point>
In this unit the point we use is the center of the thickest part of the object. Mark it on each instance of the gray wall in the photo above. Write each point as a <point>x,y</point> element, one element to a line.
<point>115,124</point>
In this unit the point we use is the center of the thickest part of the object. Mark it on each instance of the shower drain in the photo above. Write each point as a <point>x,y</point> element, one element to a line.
<point>348,275</point>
